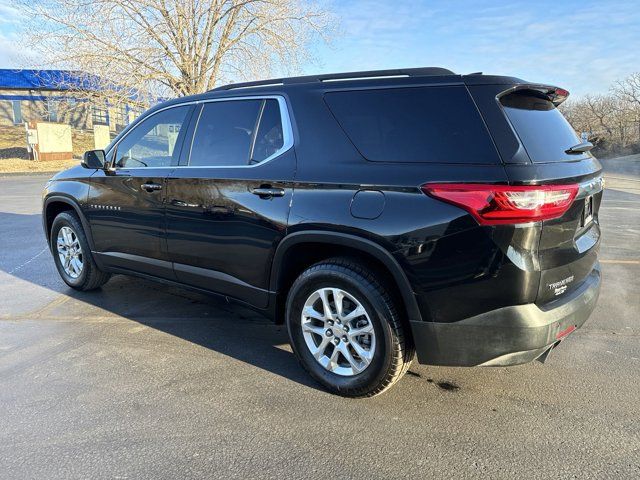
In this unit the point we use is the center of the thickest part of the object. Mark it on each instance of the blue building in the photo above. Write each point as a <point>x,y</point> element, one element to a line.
<point>54,96</point>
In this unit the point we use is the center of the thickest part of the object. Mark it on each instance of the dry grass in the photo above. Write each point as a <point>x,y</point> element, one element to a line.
<point>19,165</point>
<point>13,143</point>
<point>14,157</point>
<point>82,141</point>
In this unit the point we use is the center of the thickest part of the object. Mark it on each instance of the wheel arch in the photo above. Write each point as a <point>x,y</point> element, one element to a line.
<point>56,204</point>
<point>347,244</point>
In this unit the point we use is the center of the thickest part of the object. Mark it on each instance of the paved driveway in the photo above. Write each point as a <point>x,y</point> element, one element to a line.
<point>141,380</point>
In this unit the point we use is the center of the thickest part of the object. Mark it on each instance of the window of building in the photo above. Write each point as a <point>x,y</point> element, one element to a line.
<point>52,110</point>
<point>100,116</point>
<point>17,112</point>
<point>118,117</point>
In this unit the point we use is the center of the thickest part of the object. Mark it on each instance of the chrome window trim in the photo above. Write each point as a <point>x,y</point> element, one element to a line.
<point>285,119</point>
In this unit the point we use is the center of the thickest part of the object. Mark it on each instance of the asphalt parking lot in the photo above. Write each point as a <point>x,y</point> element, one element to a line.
<point>141,380</point>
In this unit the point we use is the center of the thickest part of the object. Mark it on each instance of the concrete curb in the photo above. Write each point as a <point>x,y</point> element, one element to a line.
<point>28,174</point>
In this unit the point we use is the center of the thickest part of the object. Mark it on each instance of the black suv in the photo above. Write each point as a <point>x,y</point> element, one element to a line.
<point>379,214</point>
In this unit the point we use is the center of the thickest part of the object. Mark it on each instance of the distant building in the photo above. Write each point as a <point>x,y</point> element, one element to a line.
<point>53,95</point>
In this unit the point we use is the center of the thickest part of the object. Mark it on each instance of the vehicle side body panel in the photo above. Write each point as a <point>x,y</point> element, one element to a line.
<point>127,222</point>
<point>220,235</point>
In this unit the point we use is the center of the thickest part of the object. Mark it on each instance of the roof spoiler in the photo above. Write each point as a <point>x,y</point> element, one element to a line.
<point>555,95</point>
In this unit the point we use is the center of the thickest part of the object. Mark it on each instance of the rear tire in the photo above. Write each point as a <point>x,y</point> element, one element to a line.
<point>366,364</point>
<point>72,254</point>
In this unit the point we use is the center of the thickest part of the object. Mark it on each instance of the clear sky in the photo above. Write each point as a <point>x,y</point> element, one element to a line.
<point>582,45</point>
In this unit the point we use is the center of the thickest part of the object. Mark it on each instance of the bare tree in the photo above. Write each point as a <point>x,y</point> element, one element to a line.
<point>622,121</point>
<point>628,92</point>
<point>600,109</point>
<point>576,112</point>
<point>145,49</point>
<point>612,120</point>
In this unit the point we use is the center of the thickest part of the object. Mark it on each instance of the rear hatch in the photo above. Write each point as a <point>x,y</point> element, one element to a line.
<point>568,246</point>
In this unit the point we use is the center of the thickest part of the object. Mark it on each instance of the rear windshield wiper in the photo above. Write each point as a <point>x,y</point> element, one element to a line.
<point>580,148</point>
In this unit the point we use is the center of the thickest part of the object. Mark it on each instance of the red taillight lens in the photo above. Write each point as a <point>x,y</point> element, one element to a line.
<point>500,204</point>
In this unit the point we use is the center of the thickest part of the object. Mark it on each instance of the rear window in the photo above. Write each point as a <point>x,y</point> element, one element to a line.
<point>224,132</point>
<point>422,124</point>
<point>543,131</point>
<point>269,138</point>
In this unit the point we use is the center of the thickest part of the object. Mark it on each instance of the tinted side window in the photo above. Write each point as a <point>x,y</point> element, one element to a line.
<point>269,138</point>
<point>152,143</point>
<point>422,124</point>
<point>224,133</point>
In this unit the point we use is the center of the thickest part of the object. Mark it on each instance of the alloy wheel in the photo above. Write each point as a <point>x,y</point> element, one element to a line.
<point>338,331</point>
<point>70,252</point>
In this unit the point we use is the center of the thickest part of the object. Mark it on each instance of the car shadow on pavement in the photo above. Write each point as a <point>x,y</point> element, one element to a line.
<point>206,320</point>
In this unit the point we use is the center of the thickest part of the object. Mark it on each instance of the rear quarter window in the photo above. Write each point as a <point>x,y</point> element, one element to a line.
<point>419,124</point>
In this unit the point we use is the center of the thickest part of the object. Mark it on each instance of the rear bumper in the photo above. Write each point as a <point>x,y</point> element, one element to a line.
<point>506,336</point>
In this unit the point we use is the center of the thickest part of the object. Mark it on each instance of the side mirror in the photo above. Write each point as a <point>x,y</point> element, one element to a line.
<point>93,159</point>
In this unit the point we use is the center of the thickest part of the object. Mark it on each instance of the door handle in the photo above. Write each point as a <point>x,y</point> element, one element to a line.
<point>268,192</point>
<point>179,203</point>
<point>151,187</point>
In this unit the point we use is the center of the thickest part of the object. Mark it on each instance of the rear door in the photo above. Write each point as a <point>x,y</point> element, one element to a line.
<point>126,206</point>
<point>228,203</point>
<point>568,246</point>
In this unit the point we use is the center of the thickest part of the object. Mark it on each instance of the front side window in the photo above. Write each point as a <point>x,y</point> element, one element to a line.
<point>237,133</point>
<point>152,143</point>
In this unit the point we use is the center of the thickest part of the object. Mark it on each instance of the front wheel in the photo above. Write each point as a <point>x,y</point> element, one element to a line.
<point>345,329</point>
<point>72,255</point>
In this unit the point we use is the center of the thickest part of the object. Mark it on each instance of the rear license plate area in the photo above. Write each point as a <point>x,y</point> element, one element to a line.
<point>587,211</point>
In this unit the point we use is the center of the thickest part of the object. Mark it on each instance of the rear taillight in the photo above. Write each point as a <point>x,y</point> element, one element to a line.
<point>500,204</point>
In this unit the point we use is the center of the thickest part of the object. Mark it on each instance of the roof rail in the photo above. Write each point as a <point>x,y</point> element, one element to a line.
<point>401,72</point>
